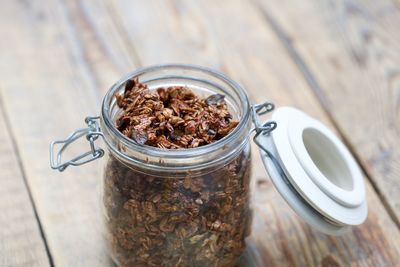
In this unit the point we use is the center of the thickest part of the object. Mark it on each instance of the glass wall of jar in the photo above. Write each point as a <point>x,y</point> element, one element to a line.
<point>180,207</point>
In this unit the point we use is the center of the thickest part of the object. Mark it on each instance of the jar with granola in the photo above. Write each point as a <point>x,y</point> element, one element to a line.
<point>176,176</point>
<point>176,183</point>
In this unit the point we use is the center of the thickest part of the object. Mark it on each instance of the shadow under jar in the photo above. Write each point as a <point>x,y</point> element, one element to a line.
<point>178,207</point>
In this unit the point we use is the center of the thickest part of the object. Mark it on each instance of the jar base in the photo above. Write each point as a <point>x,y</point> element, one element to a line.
<point>251,256</point>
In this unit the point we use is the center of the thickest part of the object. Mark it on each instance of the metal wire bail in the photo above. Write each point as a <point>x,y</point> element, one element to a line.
<point>264,128</point>
<point>92,132</point>
<point>258,110</point>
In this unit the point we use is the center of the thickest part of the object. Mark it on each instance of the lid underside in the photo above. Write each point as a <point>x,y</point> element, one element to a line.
<point>303,191</point>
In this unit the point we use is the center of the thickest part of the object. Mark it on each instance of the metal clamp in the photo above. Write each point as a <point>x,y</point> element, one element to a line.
<point>259,127</point>
<point>92,132</point>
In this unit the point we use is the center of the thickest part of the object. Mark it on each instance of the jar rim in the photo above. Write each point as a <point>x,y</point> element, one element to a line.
<point>174,153</point>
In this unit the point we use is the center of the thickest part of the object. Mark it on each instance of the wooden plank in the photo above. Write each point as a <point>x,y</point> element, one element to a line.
<point>21,242</point>
<point>52,66</point>
<point>351,49</point>
<point>84,52</point>
<point>232,36</point>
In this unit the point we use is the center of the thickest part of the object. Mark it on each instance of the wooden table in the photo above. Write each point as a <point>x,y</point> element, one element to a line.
<point>337,60</point>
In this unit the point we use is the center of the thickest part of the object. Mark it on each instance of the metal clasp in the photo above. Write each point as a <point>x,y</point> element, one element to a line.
<point>264,128</point>
<point>92,132</point>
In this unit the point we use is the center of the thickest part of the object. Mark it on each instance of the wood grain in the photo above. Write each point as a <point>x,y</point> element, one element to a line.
<point>60,57</point>
<point>49,84</point>
<point>249,51</point>
<point>21,242</point>
<point>351,49</point>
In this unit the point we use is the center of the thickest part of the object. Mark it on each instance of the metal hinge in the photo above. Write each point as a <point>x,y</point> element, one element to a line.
<point>263,128</point>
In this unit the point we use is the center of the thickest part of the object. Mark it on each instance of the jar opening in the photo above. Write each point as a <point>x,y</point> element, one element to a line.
<point>202,81</point>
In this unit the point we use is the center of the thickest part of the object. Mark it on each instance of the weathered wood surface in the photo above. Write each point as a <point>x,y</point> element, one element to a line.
<point>349,51</point>
<point>47,90</point>
<point>21,242</point>
<point>59,58</point>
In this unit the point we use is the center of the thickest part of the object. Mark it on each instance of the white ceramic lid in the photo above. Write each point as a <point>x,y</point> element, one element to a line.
<point>314,172</point>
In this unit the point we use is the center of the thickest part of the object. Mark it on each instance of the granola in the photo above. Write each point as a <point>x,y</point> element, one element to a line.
<point>171,221</point>
<point>172,117</point>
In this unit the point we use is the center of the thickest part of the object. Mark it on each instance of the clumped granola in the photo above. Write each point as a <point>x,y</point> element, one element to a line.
<point>165,221</point>
<point>172,117</point>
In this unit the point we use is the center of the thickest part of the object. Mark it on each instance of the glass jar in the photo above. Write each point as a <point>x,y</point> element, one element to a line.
<point>186,207</point>
<point>191,207</point>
